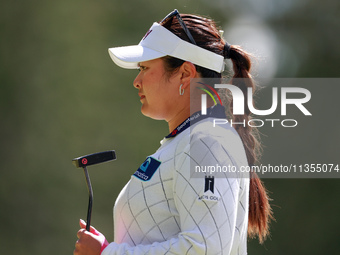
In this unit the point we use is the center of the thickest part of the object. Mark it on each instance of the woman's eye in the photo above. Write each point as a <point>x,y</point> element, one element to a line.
<point>142,68</point>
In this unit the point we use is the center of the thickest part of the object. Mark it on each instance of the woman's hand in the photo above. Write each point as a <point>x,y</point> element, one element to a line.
<point>89,243</point>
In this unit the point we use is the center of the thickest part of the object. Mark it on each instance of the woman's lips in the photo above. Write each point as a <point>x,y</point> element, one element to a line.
<point>141,96</point>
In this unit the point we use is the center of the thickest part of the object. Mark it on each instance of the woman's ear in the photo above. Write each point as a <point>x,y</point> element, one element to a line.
<point>188,72</point>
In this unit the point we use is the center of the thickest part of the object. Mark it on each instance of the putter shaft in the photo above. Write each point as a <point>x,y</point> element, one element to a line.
<point>89,208</point>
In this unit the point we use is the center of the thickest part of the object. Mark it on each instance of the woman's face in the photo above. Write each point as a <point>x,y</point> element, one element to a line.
<point>158,93</point>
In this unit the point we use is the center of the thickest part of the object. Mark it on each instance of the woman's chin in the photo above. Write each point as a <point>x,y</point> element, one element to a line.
<point>151,114</point>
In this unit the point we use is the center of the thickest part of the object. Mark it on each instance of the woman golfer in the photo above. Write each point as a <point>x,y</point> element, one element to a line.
<point>179,201</point>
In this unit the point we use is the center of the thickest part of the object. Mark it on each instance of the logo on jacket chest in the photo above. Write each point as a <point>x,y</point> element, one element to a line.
<point>147,169</point>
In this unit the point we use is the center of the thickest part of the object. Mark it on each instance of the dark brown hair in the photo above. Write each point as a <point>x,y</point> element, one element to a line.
<point>207,36</point>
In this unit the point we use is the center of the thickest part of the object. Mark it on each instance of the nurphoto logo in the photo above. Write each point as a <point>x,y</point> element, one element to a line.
<point>295,96</point>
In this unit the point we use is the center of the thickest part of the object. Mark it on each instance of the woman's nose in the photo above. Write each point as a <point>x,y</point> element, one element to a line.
<point>137,82</point>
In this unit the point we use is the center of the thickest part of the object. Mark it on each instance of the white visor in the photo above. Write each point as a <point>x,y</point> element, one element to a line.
<point>159,42</point>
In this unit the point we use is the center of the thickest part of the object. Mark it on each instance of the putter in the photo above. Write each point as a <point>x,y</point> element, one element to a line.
<point>88,160</point>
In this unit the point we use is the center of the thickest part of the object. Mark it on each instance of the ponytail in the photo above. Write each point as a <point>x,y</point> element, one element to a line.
<point>260,212</point>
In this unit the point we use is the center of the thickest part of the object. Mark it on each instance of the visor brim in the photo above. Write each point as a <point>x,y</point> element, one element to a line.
<point>129,56</point>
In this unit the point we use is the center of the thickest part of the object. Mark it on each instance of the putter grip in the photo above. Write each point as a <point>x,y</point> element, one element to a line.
<point>94,158</point>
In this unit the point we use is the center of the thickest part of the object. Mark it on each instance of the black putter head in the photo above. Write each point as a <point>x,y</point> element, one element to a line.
<point>94,158</point>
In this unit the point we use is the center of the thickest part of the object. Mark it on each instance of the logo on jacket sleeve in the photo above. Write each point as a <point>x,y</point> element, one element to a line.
<point>209,187</point>
<point>209,183</point>
<point>147,169</point>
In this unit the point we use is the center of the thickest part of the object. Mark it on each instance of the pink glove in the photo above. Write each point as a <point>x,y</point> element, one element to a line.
<point>94,231</point>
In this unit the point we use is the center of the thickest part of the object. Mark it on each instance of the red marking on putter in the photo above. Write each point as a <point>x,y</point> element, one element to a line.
<point>84,161</point>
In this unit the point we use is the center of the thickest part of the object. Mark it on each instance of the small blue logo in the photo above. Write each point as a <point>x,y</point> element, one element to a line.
<point>147,169</point>
<point>145,165</point>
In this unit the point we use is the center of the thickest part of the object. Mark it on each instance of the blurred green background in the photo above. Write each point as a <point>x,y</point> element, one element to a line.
<point>61,97</point>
